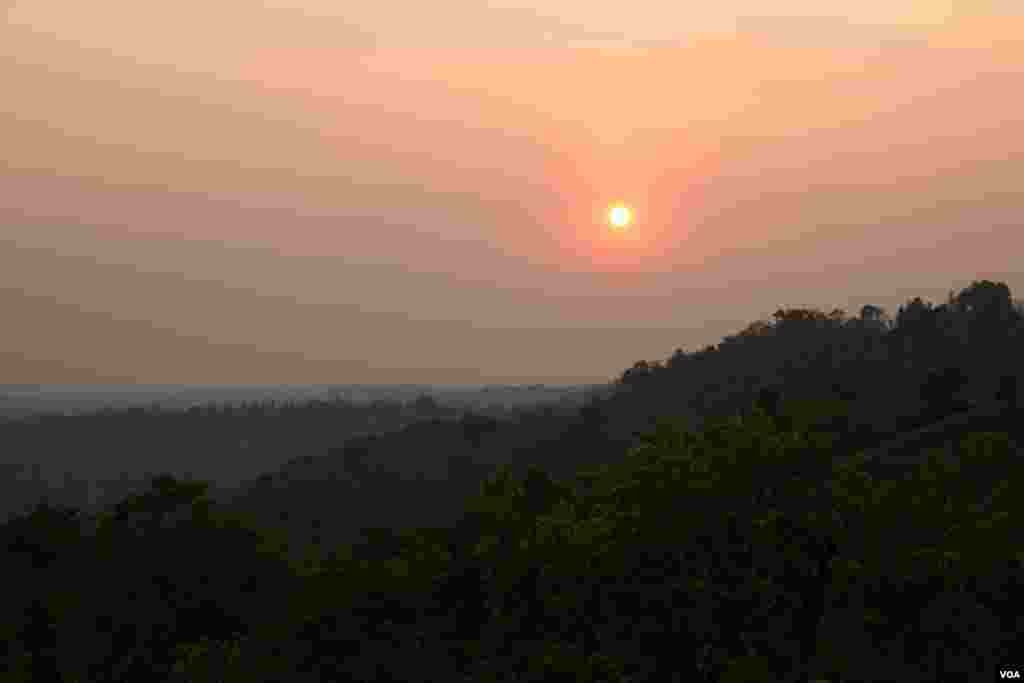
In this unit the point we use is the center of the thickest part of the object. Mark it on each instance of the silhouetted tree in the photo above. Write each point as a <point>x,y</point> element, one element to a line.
<point>986,300</point>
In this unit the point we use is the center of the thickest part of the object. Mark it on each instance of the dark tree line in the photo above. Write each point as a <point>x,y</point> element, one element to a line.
<point>81,459</point>
<point>816,498</point>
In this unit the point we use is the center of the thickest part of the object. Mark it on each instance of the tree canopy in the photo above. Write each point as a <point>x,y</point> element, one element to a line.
<point>817,498</point>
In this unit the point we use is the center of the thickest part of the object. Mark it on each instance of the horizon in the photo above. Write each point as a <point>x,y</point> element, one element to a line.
<point>336,194</point>
<point>331,385</point>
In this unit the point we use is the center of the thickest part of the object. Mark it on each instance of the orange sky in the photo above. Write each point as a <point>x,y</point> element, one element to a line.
<point>283,193</point>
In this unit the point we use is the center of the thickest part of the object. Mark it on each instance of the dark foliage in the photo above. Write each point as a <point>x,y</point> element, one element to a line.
<point>815,498</point>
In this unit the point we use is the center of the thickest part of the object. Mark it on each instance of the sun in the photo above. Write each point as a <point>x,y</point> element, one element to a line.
<point>620,216</point>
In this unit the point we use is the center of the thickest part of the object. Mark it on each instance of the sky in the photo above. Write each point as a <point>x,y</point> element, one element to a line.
<point>305,191</point>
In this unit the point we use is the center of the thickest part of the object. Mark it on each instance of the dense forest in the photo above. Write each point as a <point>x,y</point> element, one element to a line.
<point>818,497</point>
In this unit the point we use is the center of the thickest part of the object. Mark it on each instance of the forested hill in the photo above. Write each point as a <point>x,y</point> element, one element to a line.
<point>819,497</point>
<point>892,374</point>
<point>871,377</point>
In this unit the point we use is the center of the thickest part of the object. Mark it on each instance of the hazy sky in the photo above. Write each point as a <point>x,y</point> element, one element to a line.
<point>314,191</point>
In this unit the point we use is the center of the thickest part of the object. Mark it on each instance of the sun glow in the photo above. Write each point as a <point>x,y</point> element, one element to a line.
<point>620,216</point>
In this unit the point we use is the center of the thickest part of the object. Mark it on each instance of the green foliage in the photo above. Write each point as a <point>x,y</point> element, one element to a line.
<point>746,548</point>
<point>209,661</point>
<point>755,545</point>
<point>747,670</point>
<point>755,515</point>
